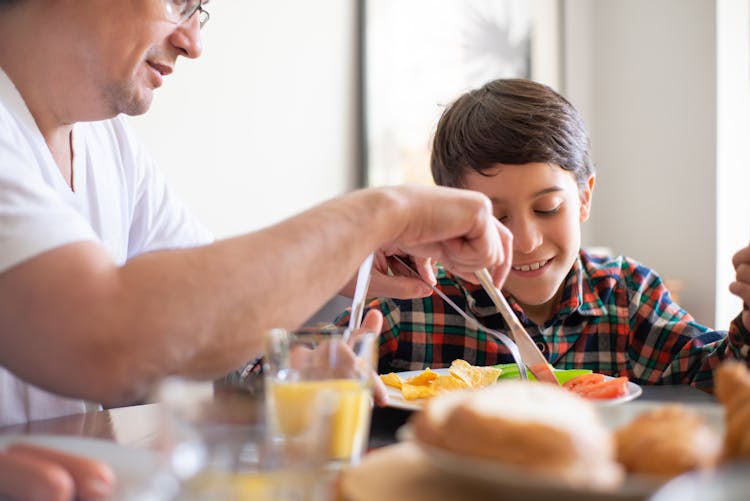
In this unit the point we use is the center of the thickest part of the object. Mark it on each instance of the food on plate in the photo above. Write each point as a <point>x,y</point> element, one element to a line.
<point>733,391</point>
<point>666,442</point>
<point>461,374</point>
<point>597,386</point>
<point>539,428</point>
<point>511,371</point>
<point>57,474</point>
<point>428,383</point>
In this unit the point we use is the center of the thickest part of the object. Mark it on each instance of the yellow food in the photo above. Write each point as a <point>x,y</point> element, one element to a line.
<point>474,377</point>
<point>392,379</point>
<point>429,383</point>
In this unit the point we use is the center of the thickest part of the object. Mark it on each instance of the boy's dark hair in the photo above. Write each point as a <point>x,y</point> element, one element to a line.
<point>509,121</point>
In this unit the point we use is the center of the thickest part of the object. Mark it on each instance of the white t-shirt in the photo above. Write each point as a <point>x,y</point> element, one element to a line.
<point>120,201</point>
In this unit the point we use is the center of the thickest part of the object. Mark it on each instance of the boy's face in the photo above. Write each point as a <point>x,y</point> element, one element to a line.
<point>543,207</point>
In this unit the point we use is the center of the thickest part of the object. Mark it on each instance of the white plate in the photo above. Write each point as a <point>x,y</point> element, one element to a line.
<point>136,469</point>
<point>529,486</point>
<point>396,398</point>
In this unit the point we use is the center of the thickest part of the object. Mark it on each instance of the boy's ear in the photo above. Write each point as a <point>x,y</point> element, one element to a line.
<point>586,194</point>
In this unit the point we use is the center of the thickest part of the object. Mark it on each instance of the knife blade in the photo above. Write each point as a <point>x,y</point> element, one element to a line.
<point>530,352</point>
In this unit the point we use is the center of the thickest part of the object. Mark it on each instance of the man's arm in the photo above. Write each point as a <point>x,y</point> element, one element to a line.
<point>74,323</point>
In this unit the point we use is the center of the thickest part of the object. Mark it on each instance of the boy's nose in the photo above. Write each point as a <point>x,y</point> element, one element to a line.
<point>526,236</point>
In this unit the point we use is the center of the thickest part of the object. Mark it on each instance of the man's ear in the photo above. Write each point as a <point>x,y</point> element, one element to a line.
<point>586,192</point>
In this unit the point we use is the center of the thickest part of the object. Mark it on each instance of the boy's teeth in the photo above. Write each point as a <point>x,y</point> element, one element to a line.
<point>530,267</point>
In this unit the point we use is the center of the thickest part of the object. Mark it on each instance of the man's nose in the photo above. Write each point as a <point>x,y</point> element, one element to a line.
<point>187,37</point>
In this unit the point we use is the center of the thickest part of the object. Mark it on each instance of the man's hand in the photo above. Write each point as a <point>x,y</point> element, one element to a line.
<point>387,280</point>
<point>456,228</point>
<point>29,473</point>
<point>741,286</point>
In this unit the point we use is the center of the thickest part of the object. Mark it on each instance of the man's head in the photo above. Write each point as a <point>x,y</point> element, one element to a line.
<point>509,121</point>
<point>97,58</point>
<point>525,147</point>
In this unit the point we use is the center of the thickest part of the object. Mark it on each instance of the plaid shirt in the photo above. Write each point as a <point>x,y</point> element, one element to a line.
<point>615,317</point>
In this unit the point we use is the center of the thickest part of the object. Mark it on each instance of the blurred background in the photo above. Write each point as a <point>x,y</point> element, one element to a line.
<point>294,102</point>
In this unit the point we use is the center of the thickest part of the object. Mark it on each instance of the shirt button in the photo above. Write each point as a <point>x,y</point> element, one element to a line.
<point>542,346</point>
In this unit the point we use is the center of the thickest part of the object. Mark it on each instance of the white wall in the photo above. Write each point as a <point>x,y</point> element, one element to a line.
<point>262,125</point>
<point>733,155</point>
<point>643,73</point>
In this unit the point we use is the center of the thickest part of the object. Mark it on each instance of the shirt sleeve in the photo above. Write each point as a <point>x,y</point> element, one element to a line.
<point>666,345</point>
<point>33,217</point>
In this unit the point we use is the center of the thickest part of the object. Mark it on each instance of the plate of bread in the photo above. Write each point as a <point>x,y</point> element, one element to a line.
<point>541,440</point>
<point>410,390</point>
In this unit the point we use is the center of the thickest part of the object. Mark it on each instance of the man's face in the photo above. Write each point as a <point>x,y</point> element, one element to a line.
<point>126,49</point>
<point>542,206</point>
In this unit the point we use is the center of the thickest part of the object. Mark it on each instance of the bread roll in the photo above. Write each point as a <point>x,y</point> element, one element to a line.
<point>540,428</point>
<point>733,390</point>
<point>666,442</point>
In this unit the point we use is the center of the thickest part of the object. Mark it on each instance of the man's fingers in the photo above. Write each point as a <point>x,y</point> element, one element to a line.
<point>93,479</point>
<point>500,273</point>
<point>34,479</point>
<point>397,286</point>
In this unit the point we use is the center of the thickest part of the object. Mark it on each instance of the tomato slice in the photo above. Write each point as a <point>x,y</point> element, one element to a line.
<point>614,388</point>
<point>597,387</point>
<point>579,383</point>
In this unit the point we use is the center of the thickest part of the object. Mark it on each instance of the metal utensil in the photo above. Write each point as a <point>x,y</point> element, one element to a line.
<point>530,353</point>
<point>360,292</point>
<point>514,352</point>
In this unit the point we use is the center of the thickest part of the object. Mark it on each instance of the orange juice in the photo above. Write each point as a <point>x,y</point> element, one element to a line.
<point>344,404</point>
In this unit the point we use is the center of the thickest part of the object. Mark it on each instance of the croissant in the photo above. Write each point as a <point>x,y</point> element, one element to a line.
<point>733,391</point>
<point>667,441</point>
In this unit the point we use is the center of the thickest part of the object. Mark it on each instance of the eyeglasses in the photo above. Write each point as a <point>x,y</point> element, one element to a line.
<point>179,11</point>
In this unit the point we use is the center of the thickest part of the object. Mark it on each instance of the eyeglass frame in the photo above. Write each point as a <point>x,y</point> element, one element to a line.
<point>203,13</point>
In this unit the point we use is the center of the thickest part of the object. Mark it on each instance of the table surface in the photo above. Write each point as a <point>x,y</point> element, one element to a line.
<point>136,425</point>
<point>242,417</point>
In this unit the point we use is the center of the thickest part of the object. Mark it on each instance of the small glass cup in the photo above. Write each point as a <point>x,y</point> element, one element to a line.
<point>319,381</point>
<point>213,441</point>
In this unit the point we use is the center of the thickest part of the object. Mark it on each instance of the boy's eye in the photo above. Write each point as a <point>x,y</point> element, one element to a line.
<point>502,218</point>
<point>544,211</point>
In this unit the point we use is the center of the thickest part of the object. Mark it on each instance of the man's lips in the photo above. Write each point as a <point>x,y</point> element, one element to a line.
<point>163,69</point>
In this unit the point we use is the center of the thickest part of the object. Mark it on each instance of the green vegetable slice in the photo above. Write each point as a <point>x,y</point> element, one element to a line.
<point>510,371</point>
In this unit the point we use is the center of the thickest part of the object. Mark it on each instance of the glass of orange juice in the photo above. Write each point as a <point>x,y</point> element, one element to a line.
<point>319,384</point>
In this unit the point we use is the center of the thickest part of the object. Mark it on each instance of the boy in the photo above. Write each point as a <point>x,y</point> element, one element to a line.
<point>526,148</point>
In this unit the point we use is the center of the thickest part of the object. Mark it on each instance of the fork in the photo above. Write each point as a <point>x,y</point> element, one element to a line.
<point>473,322</point>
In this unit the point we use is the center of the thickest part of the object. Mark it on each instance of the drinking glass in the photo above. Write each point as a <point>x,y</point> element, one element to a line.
<point>213,439</point>
<point>319,381</point>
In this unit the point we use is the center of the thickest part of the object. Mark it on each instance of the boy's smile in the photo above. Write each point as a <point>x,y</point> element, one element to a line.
<point>543,207</point>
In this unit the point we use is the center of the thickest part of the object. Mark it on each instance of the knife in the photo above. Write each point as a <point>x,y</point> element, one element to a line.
<point>508,342</point>
<point>530,353</point>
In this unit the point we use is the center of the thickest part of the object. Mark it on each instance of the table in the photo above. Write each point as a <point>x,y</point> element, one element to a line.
<point>137,426</point>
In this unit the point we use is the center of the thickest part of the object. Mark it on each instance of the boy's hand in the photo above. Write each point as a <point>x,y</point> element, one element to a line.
<point>741,286</point>
<point>373,321</point>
